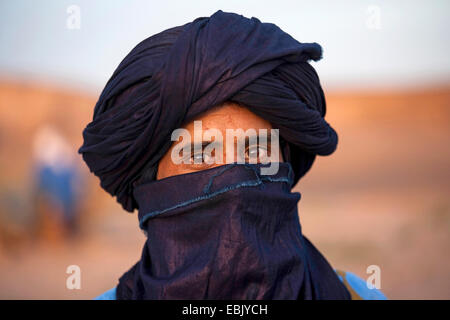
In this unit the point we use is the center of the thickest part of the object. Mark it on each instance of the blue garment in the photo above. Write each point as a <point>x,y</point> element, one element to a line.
<point>58,185</point>
<point>107,295</point>
<point>356,283</point>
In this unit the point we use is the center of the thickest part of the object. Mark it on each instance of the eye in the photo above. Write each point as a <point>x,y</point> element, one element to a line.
<point>197,158</point>
<point>257,153</point>
<point>252,152</point>
<point>202,158</point>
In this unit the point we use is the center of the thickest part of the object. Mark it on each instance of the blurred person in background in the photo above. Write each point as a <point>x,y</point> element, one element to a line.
<point>56,186</point>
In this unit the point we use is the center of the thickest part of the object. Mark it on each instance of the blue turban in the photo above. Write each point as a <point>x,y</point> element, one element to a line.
<point>173,76</point>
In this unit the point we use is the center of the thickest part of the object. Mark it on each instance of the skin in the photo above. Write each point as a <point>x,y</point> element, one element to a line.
<point>226,116</point>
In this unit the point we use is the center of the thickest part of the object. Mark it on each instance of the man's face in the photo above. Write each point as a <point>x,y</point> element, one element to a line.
<point>220,121</point>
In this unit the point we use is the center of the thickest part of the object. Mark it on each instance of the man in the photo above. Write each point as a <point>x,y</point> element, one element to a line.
<point>205,128</point>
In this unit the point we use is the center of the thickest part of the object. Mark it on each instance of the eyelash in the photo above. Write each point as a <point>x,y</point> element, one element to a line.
<point>247,155</point>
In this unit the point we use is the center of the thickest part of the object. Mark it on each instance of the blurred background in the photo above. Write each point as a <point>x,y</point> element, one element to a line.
<point>381,199</point>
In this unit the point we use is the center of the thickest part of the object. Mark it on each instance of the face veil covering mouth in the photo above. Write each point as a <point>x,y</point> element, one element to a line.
<point>226,233</point>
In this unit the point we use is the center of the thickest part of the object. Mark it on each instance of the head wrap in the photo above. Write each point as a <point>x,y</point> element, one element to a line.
<point>171,77</point>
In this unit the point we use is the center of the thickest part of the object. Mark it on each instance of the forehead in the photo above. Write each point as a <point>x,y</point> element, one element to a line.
<point>229,116</point>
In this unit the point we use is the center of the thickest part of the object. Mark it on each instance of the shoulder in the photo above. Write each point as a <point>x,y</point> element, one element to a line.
<point>358,287</point>
<point>107,295</point>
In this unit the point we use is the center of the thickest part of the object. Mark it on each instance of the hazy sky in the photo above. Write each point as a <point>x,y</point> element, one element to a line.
<point>366,43</point>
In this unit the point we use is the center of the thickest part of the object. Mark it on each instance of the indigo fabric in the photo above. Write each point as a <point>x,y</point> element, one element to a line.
<point>227,232</point>
<point>173,76</point>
